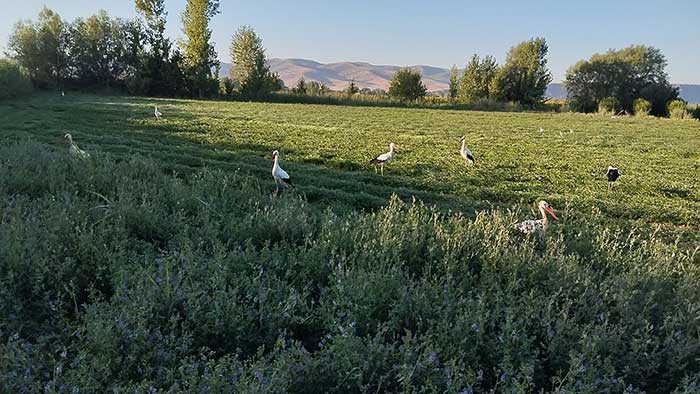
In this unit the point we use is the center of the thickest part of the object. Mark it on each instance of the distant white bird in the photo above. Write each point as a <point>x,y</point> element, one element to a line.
<point>561,134</point>
<point>73,148</point>
<point>384,158</point>
<point>541,130</point>
<point>465,152</point>
<point>157,114</point>
<point>63,93</point>
<point>533,226</point>
<point>570,131</point>
<point>278,174</point>
<point>612,174</point>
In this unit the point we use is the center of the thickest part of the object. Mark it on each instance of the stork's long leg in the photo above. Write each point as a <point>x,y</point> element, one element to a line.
<point>382,169</point>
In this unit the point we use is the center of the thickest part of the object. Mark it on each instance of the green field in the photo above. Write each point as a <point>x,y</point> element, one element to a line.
<point>164,263</point>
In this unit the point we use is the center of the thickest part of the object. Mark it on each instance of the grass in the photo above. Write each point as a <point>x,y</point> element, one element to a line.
<point>327,148</point>
<point>163,263</point>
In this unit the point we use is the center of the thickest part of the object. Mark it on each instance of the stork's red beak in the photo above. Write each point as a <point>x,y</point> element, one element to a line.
<point>550,211</point>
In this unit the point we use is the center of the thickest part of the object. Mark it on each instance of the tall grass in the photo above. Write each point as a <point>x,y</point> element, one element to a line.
<point>121,276</point>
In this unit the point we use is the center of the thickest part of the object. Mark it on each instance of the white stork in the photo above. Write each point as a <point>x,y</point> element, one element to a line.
<point>157,114</point>
<point>612,174</point>
<point>384,158</point>
<point>533,226</point>
<point>73,148</point>
<point>465,152</point>
<point>278,174</point>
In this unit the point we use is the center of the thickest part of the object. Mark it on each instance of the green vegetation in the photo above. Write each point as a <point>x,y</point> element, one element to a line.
<point>163,263</point>
<point>678,109</point>
<point>14,80</point>
<point>608,105</point>
<point>250,66</point>
<point>200,60</point>
<point>642,107</point>
<point>525,76</point>
<point>627,74</point>
<point>477,79</point>
<point>406,85</point>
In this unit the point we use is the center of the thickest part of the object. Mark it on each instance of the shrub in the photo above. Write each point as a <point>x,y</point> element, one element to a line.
<point>14,80</point>
<point>642,107</point>
<point>695,112</point>
<point>678,109</point>
<point>608,105</point>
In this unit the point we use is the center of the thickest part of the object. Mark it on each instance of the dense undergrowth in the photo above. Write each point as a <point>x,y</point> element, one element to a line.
<point>118,275</point>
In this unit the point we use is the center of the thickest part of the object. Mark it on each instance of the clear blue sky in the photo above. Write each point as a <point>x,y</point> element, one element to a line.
<point>437,33</point>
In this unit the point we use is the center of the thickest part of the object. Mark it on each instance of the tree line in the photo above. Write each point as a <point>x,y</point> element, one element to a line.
<point>135,55</point>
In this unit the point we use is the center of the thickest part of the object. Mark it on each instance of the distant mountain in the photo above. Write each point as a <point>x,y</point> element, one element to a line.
<point>337,76</point>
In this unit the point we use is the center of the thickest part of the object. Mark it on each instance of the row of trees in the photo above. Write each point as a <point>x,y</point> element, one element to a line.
<point>105,52</point>
<point>523,78</point>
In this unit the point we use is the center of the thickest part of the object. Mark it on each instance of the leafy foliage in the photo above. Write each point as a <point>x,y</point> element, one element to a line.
<point>524,76</point>
<point>477,79</point>
<point>626,74</point>
<point>118,275</point>
<point>40,48</point>
<point>453,90</point>
<point>678,109</point>
<point>250,66</point>
<point>199,54</point>
<point>642,107</point>
<point>14,80</point>
<point>407,85</point>
<point>608,105</point>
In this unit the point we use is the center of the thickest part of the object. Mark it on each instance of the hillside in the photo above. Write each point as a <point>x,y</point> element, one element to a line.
<point>337,76</point>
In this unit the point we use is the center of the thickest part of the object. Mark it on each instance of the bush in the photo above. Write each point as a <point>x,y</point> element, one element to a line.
<point>608,105</point>
<point>120,276</point>
<point>642,107</point>
<point>14,80</point>
<point>678,109</point>
<point>695,112</point>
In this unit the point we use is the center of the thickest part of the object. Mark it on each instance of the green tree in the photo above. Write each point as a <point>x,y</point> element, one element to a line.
<point>301,86</point>
<point>199,54</point>
<point>161,70</point>
<point>454,83</point>
<point>41,48</point>
<point>352,88</point>
<point>634,72</point>
<point>250,67</point>
<point>14,80</point>
<point>477,78</point>
<point>99,50</point>
<point>407,85</point>
<point>524,77</point>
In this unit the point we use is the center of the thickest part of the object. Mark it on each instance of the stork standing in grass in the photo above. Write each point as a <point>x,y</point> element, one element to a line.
<point>465,152</point>
<point>278,174</point>
<point>157,114</point>
<point>73,148</point>
<point>612,174</point>
<point>538,226</point>
<point>384,158</point>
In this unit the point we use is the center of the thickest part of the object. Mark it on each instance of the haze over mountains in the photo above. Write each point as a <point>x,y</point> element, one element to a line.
<point>337,76</point>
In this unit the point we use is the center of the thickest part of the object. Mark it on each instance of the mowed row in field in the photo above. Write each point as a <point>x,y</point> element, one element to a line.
<point>326,150</point>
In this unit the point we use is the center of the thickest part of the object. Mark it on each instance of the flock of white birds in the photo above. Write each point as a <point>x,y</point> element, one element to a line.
<point>283,180</point>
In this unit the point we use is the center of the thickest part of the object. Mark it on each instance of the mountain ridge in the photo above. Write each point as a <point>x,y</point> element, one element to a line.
<point>337,76</point>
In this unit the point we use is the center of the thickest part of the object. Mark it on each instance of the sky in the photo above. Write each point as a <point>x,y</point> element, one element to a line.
<point>436,33</point>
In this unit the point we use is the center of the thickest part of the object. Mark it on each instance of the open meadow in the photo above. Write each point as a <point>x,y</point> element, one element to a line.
<point>163,263</point>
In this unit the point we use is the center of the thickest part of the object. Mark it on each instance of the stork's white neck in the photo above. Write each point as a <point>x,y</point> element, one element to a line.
<point>464,143</point>
<point>276,161</point>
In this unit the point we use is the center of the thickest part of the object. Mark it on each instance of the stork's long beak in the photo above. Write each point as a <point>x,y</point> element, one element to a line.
<point>551,213</point>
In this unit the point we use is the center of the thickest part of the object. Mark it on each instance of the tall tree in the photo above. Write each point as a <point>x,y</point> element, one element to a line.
<point>407,85</point>
<point>627,74</point>
<point>477,79</point>
<point>454,83</point>
<point>161,72</point>
<point>524,77</point>
<point>199,54</point>
<point>40,47</point>
<point>250,66</point>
